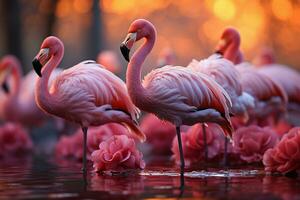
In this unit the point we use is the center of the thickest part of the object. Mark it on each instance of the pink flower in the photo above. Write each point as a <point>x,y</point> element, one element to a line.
<point>193,146</point>
<point>159,134</point>
<point>72,146</point>
<point>14,140</point>
<point>117,153</point>
<point>285,156</point>
<point>251,142</point>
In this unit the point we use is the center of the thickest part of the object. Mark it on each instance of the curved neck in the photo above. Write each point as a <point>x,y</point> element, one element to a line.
<point>232,51</point>
<point>16,75</point>
<point>12,100</point>
<point>135,88</point>
<point>44,99</point>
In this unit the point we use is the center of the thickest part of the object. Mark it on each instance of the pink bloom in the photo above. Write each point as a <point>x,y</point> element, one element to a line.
<point>285,156</point>
<point>193,146</point>
<point>117,153</point>
<point>159,134</point>
<point>14,140</point>
<point>251,142</point>
<point>72,146</point>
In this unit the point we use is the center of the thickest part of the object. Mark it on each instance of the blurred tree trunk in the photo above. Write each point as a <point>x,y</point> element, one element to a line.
<point>95,40</point>
<point>12,27</point>
<point>50,18</point>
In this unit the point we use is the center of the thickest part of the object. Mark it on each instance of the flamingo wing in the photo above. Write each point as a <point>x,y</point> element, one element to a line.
<point>225,74</point>
<point>288,78</point>
<point>259,85</point>
<point>87,85</point>
<point>179,89</point>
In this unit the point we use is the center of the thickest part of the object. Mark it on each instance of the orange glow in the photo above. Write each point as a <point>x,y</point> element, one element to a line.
<point>282,9</point>
<point>83,6</point>
<point>224,9</point>
<point>212,29</point>
<point>295,19</point>
<point>63,8</point>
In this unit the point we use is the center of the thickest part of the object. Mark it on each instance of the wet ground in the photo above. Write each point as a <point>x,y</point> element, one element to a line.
<point>43,178</point>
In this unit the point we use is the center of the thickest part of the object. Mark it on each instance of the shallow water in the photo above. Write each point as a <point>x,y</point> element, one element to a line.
<point>40,178</point>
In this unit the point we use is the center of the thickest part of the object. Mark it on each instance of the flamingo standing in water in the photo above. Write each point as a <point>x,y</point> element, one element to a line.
<point>224,73</point>
<point>162,135</point>
<point>269,96</point>
<point>18,104</point>
<point>287,77</point>
<point>86,94</point>
<point>172,93</point>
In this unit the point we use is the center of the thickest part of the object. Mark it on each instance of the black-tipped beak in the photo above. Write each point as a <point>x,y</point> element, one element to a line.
<point>37,66</point>
<point>5,87</point>
<point>125,51</point>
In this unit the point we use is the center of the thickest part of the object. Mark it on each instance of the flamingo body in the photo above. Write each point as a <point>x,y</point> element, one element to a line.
<point>180,96</point>
<point>225,74</point>
<point>81,103</point>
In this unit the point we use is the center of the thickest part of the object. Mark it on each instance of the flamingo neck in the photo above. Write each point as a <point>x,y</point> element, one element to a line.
<point>13,102</point>
<point>44,99</point>
<point>16,75</point>
<point>135,88</point>
<point>232,52</point>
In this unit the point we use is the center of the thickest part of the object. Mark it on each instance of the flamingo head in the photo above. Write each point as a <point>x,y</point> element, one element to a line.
<point>50,46</point>
<point>127,44</point>
<point>230,36</point>
<point>138,29</point>
<point>6,67</point>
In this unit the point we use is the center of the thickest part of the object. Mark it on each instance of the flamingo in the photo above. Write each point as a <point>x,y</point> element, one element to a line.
<point>86,93</point>
<point>287,77</point>
<point>110,61</point>
<point>224,73</point>
<point>173,93</point>
<point>269,95</point>
<point>162,136</point>
<point>18,104</point>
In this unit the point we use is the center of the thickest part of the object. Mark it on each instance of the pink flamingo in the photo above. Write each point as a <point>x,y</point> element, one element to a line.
<point>224,73</point>
<point>173,93</point>
<point>110,61</point>
<point>86,94</point>
<point>162,135</point>
<point>18,105</point>
<point>268,94</point>
<point>287,77</point>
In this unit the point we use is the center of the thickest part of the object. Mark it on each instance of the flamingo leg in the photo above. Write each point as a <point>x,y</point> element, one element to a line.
<point>84,130</point>
<point>205,142</point>
<point>225,151</point>
<point>181,158</point>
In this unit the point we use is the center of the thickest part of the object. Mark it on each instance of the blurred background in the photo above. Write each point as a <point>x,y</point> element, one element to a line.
<point>190,27</point>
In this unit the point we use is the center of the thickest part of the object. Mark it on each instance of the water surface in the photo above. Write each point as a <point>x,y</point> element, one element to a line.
<point>44,178</point>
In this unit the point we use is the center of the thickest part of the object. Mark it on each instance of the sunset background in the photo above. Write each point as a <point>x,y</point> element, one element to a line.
<point>190,27</point>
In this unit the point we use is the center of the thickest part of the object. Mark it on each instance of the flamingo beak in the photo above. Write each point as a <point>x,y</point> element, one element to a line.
<point>37,66</point>
<point>5,87</point>
<point>3,80</point>
<point>40,60</point>
<point>127,44</point>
